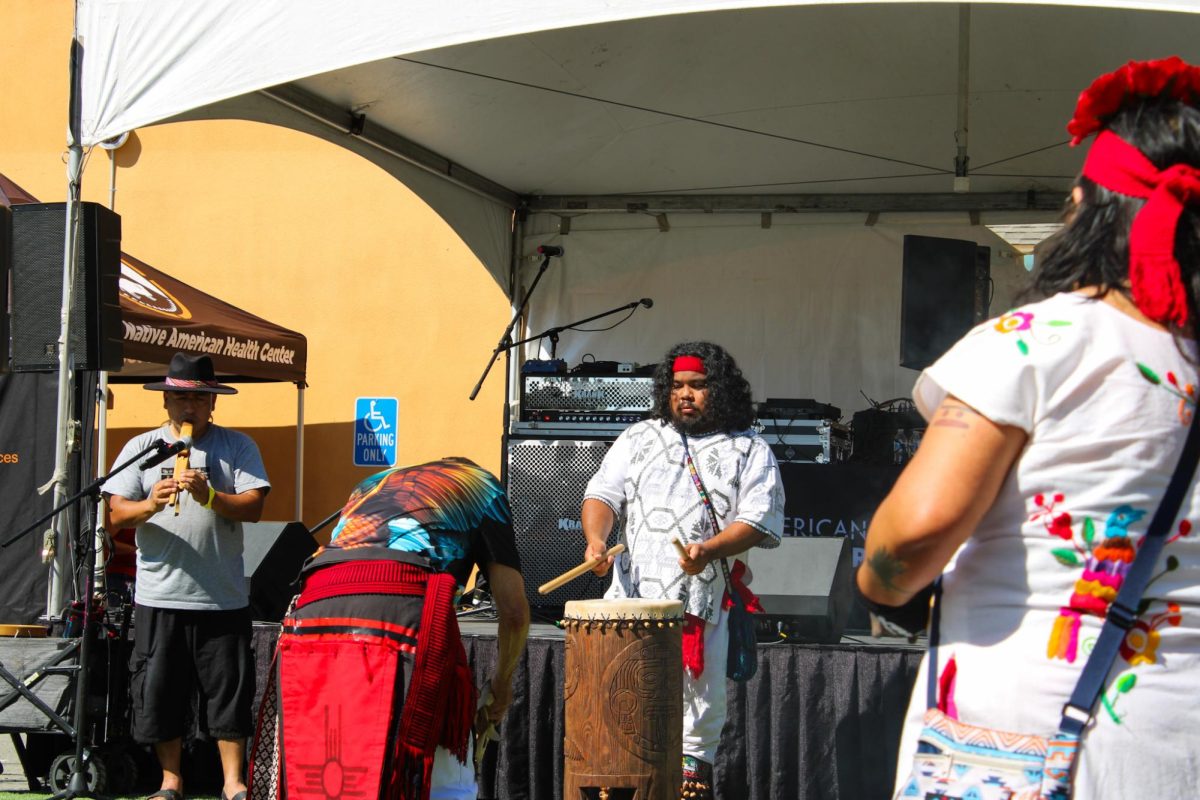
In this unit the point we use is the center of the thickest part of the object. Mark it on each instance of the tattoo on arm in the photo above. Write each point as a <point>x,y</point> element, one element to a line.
<point>954,415</point>
<point>887,568</point>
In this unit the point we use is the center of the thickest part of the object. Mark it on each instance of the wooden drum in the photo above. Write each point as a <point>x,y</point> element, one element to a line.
<point>623,694</point>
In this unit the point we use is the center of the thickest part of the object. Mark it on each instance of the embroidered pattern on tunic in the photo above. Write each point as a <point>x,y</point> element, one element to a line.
<point>1019,322</point>
<point>1185,392</point>
<point>1105,561</point>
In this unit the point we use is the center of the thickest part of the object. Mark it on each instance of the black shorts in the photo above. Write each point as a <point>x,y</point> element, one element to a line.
<point>176,653</point>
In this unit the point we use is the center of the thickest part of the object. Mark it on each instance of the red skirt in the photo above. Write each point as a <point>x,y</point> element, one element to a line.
<point>345,723</point>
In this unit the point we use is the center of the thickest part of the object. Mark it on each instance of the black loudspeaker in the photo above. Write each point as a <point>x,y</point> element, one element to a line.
<point>546,480</point>
<point>274,553</point>
<point>944,293</point>
<point>804,585</point>
<point>97,335</point>
<point>5,270</point>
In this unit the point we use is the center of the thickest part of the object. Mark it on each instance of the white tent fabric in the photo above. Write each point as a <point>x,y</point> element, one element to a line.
<point>810,307</point>
<point>151,59</point>
<point>546,105</point>
<point>606,125</point>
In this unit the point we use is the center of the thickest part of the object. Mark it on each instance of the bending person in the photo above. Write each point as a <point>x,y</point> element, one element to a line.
<point>372,673</point>
<point>1053,433</point>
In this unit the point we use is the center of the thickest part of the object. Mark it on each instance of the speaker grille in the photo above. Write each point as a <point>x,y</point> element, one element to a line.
<point>546,480</point>
<point>97,336</point>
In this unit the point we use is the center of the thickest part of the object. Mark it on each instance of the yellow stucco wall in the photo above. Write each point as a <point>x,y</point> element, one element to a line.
<point>295,230</point>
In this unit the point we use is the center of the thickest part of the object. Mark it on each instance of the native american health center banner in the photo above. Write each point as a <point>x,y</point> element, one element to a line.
<point>162,315</point>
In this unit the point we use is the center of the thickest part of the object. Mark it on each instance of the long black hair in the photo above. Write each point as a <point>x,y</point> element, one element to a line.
<point>730,406</point>
<point>1092,249</point>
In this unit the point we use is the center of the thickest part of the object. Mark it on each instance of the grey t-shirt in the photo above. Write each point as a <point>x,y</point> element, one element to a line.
<point>194,560</point>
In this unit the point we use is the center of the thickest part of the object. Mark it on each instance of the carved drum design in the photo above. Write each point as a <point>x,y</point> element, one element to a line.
<point>624,699</point>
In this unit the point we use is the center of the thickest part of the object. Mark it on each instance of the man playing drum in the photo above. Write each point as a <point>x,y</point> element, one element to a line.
<point>702,417</point>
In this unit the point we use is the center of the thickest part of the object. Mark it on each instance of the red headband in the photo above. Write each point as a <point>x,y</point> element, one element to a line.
<point>1153,271</point>
<point>689,364</point>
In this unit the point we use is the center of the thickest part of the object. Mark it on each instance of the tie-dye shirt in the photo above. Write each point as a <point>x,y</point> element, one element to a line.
<point>452,512</point>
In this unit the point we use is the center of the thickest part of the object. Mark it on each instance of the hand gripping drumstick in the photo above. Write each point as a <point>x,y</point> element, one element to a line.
<point>679,547</point>
<point>181,463</point>
<point>575,572</point>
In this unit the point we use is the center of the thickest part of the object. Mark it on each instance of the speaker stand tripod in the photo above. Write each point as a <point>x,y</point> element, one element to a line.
<point>77,786</point>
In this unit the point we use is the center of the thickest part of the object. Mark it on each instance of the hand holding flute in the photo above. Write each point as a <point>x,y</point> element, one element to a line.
<point>181,464</point>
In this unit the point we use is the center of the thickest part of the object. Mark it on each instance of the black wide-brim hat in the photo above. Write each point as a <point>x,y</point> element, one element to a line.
<point>189,373</point>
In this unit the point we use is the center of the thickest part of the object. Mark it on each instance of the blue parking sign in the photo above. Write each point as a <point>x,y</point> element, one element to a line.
<point>375,431</point>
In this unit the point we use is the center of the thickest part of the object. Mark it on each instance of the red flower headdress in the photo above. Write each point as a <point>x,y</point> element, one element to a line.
<point>1169,77</point>
<point>1156,281</point>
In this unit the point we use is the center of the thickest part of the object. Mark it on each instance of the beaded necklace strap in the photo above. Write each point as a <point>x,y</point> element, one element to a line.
<point>712,514</point>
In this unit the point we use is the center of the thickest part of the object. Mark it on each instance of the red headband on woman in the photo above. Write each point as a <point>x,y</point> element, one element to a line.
<point>689,364</point>
<point>1154,275</point>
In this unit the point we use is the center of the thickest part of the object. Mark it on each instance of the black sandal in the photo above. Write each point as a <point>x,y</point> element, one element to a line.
<point>166,794</point>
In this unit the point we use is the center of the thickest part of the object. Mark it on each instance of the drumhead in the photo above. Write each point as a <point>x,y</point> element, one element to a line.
<point>624,608</point>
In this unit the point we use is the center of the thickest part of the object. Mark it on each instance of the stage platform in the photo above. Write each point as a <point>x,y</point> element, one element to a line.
<point>818,722</point>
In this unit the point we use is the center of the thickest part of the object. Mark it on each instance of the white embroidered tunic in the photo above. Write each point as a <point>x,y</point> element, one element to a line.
<point>645,477</point>
<point>1106,401</point>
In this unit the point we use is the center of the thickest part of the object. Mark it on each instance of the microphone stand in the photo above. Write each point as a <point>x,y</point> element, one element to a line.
<point>78,785</point>
<point>553,333</point>
<point>506,341</point>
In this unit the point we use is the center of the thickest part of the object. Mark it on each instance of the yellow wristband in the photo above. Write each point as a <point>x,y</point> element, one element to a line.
<point>212,493</point>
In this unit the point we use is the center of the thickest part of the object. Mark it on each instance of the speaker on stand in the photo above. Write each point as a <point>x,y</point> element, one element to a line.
<point>944,293</point>
<point>97,335</point>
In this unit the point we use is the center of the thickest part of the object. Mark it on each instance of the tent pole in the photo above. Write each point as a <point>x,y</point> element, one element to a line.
<point>102,554</point>
<point>961,158</point>
<point>299,510</point>
<point>62,438</point>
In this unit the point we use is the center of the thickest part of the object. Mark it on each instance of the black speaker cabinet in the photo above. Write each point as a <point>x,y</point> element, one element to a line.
<point>5,271</point>
<point>546,480</point>
<point>97,336</point>
<point>944,293</point>
<point>273,555</point>
<point>804,585</point>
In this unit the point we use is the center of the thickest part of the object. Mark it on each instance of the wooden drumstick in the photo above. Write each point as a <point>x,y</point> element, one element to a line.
<point>679,547</point>
<point>575,572</point>
<point>181,464</point>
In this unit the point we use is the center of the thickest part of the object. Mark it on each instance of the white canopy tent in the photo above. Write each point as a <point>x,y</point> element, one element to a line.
<point>752,166</point>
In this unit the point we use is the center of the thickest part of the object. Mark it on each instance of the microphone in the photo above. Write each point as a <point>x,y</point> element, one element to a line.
<point>647,302</point>
<point>550,250</point>
<point>165,451</point>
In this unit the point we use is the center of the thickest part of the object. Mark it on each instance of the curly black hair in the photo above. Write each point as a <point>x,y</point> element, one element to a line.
<point>729,407</point>
<point>1092,249</point>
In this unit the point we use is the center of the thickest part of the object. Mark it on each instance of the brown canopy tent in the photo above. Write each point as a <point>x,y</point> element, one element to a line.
<point>162,315</point>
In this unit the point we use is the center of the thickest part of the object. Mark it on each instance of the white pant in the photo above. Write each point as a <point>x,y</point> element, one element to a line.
<point>704,703</point>
<point>452,780</point>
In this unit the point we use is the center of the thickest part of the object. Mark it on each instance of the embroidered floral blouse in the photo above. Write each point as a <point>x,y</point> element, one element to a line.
<point>1106,401</point>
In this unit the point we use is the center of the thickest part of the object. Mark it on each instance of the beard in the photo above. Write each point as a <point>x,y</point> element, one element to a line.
<point>699,423</point>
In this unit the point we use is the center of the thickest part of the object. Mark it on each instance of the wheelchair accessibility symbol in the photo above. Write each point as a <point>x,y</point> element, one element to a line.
<point>375,431</point>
